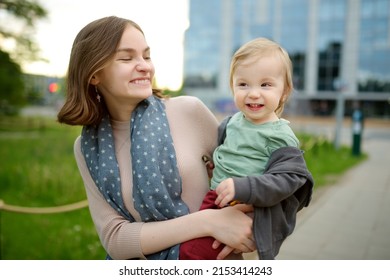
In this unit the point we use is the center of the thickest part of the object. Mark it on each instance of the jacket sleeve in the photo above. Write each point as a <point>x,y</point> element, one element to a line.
<point>285,173</point>
<point>266,190</point>
<point>222,129</point>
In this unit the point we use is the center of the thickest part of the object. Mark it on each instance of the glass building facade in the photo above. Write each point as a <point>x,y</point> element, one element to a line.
<point>337,47</point>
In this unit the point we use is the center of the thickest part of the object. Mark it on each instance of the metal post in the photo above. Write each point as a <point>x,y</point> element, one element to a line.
<point>357,130</point>
<point>339,119</point>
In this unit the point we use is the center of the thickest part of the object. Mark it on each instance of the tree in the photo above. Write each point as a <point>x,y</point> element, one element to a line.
<point>23,14</point>
<point>11,86</point>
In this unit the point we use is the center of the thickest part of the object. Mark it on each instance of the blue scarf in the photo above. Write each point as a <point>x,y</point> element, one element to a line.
<point>156,179</point>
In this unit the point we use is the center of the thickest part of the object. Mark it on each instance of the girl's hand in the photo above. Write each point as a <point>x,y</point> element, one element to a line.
<point>233,228</point>
<point>227,250</point>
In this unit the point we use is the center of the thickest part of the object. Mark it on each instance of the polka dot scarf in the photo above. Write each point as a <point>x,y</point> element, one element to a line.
<point>156,179</point>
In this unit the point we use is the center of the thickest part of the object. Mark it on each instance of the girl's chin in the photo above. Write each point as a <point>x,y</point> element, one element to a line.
<point>142,93</point>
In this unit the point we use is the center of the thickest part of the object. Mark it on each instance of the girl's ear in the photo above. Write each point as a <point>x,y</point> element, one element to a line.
<point>94,81</point>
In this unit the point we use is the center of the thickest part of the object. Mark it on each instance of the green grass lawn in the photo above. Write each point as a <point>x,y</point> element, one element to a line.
<point>38,169</point>
<point>325,162</point>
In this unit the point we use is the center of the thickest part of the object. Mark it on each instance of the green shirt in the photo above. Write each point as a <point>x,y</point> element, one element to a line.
<point>247,147</point>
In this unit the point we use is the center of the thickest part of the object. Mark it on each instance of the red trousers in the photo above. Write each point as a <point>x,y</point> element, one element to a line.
<point>201,248</point>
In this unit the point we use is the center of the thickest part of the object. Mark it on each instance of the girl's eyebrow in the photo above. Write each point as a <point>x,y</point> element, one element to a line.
<point>131,50</point>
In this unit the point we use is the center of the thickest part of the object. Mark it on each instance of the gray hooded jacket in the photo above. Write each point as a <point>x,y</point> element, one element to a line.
<point>277,195</point>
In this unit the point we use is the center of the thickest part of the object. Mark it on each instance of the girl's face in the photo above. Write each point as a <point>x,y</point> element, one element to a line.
<point>258,86</point>
<point>127,79</point>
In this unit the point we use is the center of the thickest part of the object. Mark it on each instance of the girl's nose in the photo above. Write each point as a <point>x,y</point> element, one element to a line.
<point>143,65</point>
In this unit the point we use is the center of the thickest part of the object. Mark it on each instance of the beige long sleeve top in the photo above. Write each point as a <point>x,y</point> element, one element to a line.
<point>194,132</point>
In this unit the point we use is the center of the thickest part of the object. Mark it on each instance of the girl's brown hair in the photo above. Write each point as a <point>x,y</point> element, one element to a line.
<point>258,48</point>
<point>94,46</point>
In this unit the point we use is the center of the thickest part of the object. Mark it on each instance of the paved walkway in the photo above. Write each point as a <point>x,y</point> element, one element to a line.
<point>349,220</point>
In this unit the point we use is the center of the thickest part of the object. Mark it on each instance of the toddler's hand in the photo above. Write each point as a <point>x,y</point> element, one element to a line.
<point>225,192</point>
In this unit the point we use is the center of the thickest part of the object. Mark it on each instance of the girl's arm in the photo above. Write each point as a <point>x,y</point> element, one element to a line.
<point>125,240</point>
<point>230,226</point>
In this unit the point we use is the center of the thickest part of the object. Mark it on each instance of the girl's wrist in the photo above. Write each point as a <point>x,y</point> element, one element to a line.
<point>203,221</point>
